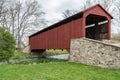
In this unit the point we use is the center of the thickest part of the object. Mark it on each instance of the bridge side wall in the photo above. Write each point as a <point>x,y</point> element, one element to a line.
<point>95,53</point>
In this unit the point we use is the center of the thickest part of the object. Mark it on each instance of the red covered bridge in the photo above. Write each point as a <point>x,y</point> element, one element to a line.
<point>92,23</point>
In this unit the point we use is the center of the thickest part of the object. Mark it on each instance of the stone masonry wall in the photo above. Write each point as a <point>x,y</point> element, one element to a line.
<point>93,52</point>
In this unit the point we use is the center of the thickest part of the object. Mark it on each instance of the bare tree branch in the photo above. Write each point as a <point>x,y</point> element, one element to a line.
<point>19,17</point>
<point>68,13</point>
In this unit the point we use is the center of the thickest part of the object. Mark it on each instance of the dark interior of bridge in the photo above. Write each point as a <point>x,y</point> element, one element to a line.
<point>96,27</point>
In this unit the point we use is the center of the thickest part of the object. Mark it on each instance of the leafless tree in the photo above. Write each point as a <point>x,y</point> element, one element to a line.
<point>1,7</point>
<point>116,13</point>
<point>88,3</point>
<point>3,11</point>
<point>106,4</point>
<point>22,18</point>
<point>68,13</point>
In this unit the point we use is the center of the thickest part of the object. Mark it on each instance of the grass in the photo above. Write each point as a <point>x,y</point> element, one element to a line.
<point>49,69</point>
<point>57,51</point>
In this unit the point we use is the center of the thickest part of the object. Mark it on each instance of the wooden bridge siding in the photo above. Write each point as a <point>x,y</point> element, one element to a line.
<point>57,38</point>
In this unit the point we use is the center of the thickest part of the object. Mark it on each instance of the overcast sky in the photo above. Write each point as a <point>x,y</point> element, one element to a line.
<point>54,8</point>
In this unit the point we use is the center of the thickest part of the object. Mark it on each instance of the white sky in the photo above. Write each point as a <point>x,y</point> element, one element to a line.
<point>54,8</point>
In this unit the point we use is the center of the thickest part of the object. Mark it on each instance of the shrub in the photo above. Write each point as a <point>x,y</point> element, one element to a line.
<point>57,51</point>
<point>20,55</point>
<point>7,44</point>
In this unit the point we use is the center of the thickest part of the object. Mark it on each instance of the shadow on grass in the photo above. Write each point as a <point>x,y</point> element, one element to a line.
<point>41,60</point>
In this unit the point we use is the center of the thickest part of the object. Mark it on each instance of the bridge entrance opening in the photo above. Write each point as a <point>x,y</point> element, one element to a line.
<point>96,27</point>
